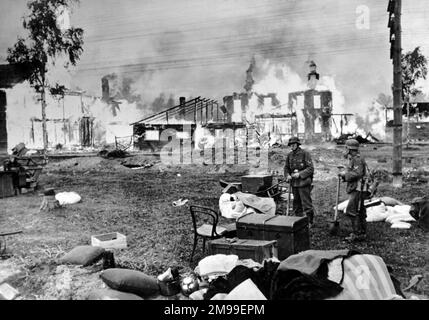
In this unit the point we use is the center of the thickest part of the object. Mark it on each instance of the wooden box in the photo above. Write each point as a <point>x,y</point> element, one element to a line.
<point>256,183</point>
<point>257,250</point>
<point>291,232</point>
<point>114,240</point>
<point>6,184</point>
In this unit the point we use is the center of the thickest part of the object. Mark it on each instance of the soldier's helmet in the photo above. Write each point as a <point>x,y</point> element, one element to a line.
<point>293,140</point>
<point>352,144</point>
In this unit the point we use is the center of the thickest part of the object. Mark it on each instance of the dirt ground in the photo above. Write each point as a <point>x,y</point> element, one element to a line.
<point>138,203</point>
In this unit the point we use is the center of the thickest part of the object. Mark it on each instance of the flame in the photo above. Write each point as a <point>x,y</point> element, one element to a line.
<point>281,80</point>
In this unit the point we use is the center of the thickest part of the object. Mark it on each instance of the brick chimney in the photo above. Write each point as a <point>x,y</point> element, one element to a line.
<point>182,102</point>
<point>105,94</point>
<point>313,76</point>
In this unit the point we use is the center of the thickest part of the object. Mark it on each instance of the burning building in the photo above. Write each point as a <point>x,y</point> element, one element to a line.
<point>312,114</point>
<point>312,110</point>
<point>154,132</point>
<point>74,119</point>
<point>307,114</point>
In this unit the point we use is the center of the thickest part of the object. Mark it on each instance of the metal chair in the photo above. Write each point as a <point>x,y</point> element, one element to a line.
<point>206,225</point>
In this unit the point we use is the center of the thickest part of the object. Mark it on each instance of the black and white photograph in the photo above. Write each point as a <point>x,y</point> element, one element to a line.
<point>214,156</point>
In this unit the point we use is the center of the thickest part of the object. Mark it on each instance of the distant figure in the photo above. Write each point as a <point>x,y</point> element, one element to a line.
<point>299,171</point>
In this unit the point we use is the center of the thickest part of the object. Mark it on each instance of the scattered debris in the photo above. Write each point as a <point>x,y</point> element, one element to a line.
<point>413,282</point>
<point>179,203</point>
<point>169,282</point>
<point>113,154</point>
<point>8,271</point>
<point>369,139</point>
<point>7,292</point>
<point>19,150</point>
<point>113,240</point>
<point>49,202</point>
<point>139,165</point>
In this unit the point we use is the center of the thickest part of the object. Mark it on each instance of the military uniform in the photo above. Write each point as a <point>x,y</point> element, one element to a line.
<point>355,188</point>
<point>300,161</point>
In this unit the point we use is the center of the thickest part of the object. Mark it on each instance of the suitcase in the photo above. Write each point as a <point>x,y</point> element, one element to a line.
<point>256,183</point>
<point>257,250</point>
<point>291,232</point>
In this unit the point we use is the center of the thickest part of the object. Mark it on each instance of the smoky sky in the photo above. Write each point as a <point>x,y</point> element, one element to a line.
<point>203,48</point>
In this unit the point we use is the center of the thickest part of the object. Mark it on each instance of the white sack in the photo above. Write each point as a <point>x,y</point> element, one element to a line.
<point>402,209</point>
<point>67,198</point>
<point>404,217</point>
<point>376,213</point>
<point>401,225</point>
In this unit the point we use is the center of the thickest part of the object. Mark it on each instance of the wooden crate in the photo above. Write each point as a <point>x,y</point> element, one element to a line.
<point>113,240</point>
<point>256,183</point>
<point>6,184</point>
<point>257,250</point>
<point>292,233</point>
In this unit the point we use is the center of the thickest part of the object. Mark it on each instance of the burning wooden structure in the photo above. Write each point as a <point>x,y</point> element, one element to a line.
<point>313,112</point>
<point>155,131</point>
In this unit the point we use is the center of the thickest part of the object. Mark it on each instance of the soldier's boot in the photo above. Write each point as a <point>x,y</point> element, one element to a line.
<point>357,234</point>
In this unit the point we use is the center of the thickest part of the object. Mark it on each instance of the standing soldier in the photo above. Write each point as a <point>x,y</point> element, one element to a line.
<point>299,171</point>
<point>354,175</point>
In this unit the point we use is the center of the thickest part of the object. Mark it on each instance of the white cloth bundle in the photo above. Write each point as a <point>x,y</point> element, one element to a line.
<point>231,207</point>
<point>68,198</point>
<point>376,213</point>
<point>400,225</point>
<point>219,264</point>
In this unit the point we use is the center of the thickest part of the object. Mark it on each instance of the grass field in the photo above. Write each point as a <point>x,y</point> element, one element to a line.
<point>138,203</point>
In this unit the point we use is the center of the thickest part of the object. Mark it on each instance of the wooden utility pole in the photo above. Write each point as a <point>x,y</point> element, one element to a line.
<point>397,93</point>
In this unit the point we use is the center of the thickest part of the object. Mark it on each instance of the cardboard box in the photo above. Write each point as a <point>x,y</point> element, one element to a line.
<point>113,240</point>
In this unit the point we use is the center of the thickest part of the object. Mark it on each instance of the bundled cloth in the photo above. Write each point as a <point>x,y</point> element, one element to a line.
<point>68,198</point>
<point>363,277</point>
<point>216,265</point>
<point>263,205</point>
<point>334,275</point>
<point>231,207</point>
<point>390,210</point>
<point>398,216</point>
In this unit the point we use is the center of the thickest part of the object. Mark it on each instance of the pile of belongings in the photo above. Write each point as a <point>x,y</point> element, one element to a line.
<point>394,212</point>
<point>309,275</point>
